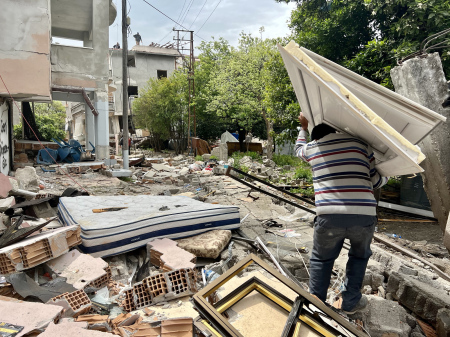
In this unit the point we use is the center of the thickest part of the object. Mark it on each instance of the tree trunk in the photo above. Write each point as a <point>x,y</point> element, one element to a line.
<point>269,128</point>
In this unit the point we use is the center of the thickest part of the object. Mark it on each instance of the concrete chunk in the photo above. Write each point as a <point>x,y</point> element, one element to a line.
<point>7,203</point>
<point>28,179</point>
<point>422,298</point>
<point>443,322</point>
<point>383,317</point>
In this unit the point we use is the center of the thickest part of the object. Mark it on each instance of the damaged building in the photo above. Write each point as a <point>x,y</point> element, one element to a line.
<point>144,62</point>
<point>36,70</point>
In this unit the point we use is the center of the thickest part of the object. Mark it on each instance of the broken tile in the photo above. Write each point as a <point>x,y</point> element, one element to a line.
<point>148,311</point>
<point>81,270</point>
<point>165,254</point>
<point>32,316</point>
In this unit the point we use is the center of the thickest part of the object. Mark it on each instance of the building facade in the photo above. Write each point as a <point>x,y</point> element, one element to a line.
<point>36,70</point>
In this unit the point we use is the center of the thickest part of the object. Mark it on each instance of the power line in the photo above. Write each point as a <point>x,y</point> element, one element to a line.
<point>198,14</point>
<point>196,17</point>
<point>179,16</point>
<point>178,19</point>
<point>165,36</point>
<point>187,11</point>
<point>171,18</point>
<point>209,16</point>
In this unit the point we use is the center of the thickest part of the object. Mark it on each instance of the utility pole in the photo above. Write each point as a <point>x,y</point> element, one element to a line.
<point>125,86</point>
<point>191,78</point>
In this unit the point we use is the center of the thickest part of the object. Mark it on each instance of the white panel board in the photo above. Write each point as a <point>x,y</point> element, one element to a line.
<point>390,123</point>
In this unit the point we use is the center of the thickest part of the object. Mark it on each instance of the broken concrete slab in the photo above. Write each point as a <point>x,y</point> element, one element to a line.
<point>165,254</point>
<point>183,171</point>
<point>443,322</point>
<point>80,270</point>
<point>207,245</point>
<point>149,175</point>
<point>118,173</point>
<point>5,186</point>
<point>28,179</point>
<point>32,316</point>
<point>7,203</point>
<point>383,317</point>
<point>162,167</point>
<point>38,249</point>
<point>422,298</point>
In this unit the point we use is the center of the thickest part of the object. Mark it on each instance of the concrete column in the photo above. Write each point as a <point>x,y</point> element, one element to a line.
<point>90,127</point>
<point>423,80</point>
<point>102,125</point>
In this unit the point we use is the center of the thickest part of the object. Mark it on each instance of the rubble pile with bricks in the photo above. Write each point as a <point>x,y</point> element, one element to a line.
<point>148,291</point>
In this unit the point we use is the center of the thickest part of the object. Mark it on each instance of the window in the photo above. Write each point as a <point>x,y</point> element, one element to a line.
<point>132,90</point>
<point>131,61</point>
<point>161,74</point>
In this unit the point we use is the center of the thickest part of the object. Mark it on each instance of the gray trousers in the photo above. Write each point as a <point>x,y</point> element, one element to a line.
<point>330,230</point>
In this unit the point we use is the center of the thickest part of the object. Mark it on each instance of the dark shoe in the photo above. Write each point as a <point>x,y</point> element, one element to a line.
<point>362,304</point>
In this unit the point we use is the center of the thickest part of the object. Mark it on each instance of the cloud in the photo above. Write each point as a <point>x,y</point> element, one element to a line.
<point>229,19</point>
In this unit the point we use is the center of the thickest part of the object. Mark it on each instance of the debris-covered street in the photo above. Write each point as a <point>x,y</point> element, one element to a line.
<point>270,168</point>
<point>150,289</point>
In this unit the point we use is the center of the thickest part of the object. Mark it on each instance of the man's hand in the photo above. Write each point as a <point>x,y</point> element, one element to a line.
<point>303,122</point>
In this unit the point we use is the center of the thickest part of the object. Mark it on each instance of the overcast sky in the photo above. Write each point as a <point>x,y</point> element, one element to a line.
<point>229,19</point>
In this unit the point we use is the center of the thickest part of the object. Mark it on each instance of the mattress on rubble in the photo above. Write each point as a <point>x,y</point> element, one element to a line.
<point>145,218</point>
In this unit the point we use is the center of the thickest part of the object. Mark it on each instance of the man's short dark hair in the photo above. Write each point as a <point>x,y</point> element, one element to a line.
<point>321,130</point>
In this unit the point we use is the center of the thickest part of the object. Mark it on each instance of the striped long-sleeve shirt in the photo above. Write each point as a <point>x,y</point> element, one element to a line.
<point>344,173</point>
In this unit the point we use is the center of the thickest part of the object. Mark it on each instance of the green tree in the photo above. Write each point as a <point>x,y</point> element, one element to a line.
<point>236,89</point>
<point>50,120</point>
<point>209,124</point>
<point>246,88</point>
<point>369,36</point>
<point>162,109</point>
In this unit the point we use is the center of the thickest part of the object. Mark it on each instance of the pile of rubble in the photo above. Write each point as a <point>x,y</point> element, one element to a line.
<point>56,281</point>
